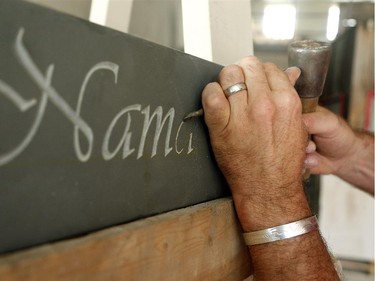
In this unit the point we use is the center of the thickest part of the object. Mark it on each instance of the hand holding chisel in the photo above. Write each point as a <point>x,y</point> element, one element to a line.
<point>312,57</point>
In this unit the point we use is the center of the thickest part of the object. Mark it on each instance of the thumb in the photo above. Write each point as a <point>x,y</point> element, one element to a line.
<point>216,108</point>
<point>322,122</point>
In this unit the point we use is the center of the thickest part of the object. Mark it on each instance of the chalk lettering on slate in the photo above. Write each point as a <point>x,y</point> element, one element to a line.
<point>190,148</point>
<point>159,126</point>
<point>126,138</point>
<point>99,66</point>
<point>24,106</point>
<point>34,72</point>
<point>80,125</point>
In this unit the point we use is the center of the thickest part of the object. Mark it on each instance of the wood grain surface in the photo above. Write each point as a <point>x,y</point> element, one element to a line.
<point>202,242</point>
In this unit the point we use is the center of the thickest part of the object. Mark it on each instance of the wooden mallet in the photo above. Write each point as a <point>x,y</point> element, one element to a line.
<point>313,58</point>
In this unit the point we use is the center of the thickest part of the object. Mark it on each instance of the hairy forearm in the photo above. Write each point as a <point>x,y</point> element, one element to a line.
<point>359,170</point>
<point>303,257</point>
<point>262,211</point>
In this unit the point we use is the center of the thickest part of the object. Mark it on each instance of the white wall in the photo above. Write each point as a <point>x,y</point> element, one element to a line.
<point>347,219</point>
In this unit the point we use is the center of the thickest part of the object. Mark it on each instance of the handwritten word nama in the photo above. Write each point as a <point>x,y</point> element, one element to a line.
<point>80,126</point>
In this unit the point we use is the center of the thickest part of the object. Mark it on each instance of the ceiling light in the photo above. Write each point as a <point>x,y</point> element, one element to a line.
<point>279,21</point>
<point>333,22</point>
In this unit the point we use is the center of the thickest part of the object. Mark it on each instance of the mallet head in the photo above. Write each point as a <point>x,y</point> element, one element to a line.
<point>313,58</point>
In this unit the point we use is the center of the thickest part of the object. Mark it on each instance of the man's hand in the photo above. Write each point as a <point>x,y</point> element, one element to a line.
<point>259,141</point>
<point>258,137</point>
<point>339,150</point>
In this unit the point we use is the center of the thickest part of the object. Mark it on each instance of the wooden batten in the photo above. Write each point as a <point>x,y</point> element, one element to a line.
<point>362,75</point>
<point>202,242</point>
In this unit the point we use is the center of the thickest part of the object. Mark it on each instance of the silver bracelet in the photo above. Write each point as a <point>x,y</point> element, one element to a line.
<point>281,232</point>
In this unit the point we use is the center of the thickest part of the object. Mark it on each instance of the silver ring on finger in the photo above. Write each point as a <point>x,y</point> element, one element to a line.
<point>234,89</point>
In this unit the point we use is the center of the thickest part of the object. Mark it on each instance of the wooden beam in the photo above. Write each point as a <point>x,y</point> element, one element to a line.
<point>362,75</point>
<point>202,242</point>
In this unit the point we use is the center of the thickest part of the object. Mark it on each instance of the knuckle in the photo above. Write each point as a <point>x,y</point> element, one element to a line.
<point>289,100</point>
<point>216,107</point>
<point>292,99</point>
<point>230,70</point>
<point>231,73</point>
<point>210,96</point>
<point>251,62</point>
<point>213,101</point>
<point>273,69</point>
<point>271,66</point>
<point>210,86</point>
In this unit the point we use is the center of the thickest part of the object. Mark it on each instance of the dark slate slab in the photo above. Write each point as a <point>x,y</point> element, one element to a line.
<point>90,128</point>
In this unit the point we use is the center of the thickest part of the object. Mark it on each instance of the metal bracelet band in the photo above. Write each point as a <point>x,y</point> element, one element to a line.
<point>281,232</point>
